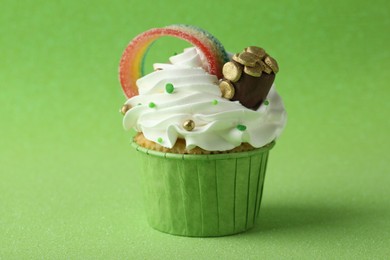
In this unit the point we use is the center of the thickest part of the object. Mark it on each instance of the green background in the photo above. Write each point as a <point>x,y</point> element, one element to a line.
<point>69,184</point>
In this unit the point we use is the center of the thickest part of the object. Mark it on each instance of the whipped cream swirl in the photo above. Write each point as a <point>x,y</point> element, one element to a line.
<point>159,111</point>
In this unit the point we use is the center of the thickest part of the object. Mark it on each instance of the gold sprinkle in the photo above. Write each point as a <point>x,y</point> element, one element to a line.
<point>271,62</point>
<point>231,71</point>
<point>259,52</point>
<point>124,109</point>
<point>189,125</point>
<point>227,89</point>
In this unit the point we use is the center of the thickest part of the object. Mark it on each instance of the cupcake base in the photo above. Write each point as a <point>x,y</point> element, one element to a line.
<point>203,195</point>
<point>180,147</point>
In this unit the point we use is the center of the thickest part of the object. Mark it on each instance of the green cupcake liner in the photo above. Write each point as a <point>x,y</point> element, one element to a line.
<point>203,195</point>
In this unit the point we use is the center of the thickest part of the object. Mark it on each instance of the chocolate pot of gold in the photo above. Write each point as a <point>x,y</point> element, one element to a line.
<point>248,77</point>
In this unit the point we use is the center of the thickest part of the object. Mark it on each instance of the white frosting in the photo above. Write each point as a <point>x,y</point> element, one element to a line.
<point>197,97</point>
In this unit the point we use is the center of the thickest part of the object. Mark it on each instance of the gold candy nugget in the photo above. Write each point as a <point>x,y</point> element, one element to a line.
<point>259,52</point>
<point>271,62</point>
<point>227,89</point>
<point>231,71</point>
<point>265,67</point>
<point>247,59</point>
<point>255,71</point>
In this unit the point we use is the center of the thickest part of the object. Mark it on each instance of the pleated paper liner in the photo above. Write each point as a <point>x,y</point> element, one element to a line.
<point>203,195</point>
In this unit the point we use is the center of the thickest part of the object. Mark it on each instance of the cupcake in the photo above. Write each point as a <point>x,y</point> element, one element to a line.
<point>205,122</point>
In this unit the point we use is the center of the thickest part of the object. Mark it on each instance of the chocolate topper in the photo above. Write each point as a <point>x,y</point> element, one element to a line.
<point>248,77</point>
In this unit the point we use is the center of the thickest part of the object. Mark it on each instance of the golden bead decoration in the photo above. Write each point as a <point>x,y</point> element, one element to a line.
<point>125,108</point>
<point>189,125</point>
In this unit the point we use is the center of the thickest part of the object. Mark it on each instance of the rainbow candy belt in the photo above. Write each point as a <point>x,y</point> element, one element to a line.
<point>133,58</point>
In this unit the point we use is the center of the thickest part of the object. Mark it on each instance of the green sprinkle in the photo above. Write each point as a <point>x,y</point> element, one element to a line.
<point>215,102</point>
<point>160,140</point>
<point>175,53</point>
<point>241,127</point>
<point>152,105</point>
<point>169,88</point>
<point>139,104</point>
<point>266,102</point>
